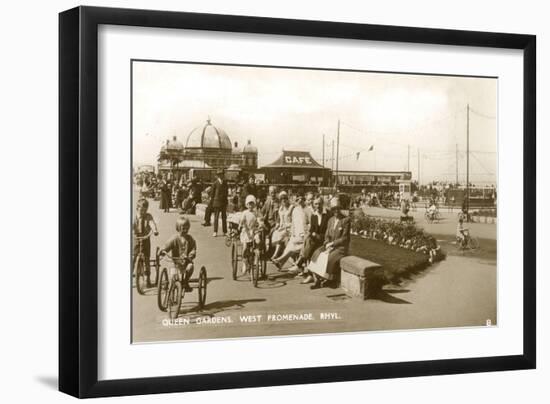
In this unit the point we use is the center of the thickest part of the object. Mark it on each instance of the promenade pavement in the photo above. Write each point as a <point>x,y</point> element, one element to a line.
<point>457,292</point>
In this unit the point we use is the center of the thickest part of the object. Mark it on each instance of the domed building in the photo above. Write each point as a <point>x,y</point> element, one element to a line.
<point>207,146</point>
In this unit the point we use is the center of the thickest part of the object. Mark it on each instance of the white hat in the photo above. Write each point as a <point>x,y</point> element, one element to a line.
<point>250,198</point>
<point>335,202</point>
<point>282,194</point>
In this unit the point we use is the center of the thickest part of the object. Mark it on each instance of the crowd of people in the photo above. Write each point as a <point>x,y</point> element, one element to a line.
<point>296,226</point>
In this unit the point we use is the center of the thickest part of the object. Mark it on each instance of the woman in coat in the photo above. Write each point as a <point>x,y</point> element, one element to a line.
<point>337,240</point>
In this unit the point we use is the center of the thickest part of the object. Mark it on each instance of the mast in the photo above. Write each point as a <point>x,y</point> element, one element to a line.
<point>456,163</point>
<point>323,149</point>
<point>467,159</point>
<point>337,149</point>
<point>418,156</point>
<point>332,157</point>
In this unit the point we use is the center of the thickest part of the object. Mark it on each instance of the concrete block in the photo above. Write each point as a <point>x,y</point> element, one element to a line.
<point>357,276</point>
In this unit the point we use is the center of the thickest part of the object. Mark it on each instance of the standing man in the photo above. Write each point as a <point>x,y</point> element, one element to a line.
<point>250,189</point>
<point>269,210</point>
<point>219,201</point>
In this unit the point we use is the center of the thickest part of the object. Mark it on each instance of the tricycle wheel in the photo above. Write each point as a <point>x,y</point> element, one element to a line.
<point>163,288</point>
<point>139,271</point>
<point>175,296</point>
<point>234,261</point>
<point>202,287</point>
<point>255,269</point>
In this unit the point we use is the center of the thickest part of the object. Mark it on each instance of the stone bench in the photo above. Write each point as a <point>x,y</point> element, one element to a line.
<point>359,276</point>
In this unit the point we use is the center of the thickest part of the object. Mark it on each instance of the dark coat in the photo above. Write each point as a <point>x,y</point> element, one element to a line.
<point>340,236</point>
<point>270,212</point>
<point>250,189</point>
<point>318,228</point>
<point>219,194</point>
<point>313,242</point>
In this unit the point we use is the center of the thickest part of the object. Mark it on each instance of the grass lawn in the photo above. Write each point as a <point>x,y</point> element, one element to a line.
<point>398,264</point>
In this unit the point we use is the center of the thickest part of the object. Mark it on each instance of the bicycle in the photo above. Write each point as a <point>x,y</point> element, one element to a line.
<point>171,289</point>
<point>432,216</point>
<point>257,262</point>
<point>469,242</point>
<point>139,265</point>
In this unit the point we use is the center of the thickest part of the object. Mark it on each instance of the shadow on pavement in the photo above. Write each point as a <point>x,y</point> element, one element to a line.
<point>211,309</point>
<point>384,295</point>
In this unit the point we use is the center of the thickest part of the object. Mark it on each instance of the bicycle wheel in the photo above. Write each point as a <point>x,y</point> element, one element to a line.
<point>155,269</point>
<point>139,271</point>
<point>263,268</point>
<point>234,260</point>
<point>228,241</point>
<point>202,287</point>
<point>428,217</point>
<point>255,268</point>
<point>473,243</point>
<point>175,296</point>
<point>162,288</point>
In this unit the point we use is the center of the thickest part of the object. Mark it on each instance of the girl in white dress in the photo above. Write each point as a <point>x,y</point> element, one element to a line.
<point>281,233</point>
<point>248,225</point>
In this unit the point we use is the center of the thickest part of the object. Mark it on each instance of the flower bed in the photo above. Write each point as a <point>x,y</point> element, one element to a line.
<point>403,249</point>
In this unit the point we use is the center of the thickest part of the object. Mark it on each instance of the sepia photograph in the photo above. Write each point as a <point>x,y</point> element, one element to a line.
<point>272,201</point>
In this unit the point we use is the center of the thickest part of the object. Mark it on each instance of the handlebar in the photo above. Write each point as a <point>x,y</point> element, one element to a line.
<point>173,259</point>
<point>139,238</point>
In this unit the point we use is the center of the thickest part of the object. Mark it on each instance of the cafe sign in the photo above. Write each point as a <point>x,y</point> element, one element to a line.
<point>298,160</point>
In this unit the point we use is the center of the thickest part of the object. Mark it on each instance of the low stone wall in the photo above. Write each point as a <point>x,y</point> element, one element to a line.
<point>359,277</point>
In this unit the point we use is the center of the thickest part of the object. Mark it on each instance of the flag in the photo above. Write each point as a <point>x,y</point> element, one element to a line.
<point>371,148</point>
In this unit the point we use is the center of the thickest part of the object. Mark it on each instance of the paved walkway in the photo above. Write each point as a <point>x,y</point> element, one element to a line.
<point>460,291</point>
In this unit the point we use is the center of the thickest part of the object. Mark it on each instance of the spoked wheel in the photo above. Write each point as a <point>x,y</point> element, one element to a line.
<point>255,268</point>
<point>228,241</point>
<point>234,260</point>
<point>202,287</point>
<point>162,288</point>
<point>155,269</point>
<point>263,268</point>
<point>139,271</point>
<point>473,243</point>
<point>429,218</point>
<point>175,296</point>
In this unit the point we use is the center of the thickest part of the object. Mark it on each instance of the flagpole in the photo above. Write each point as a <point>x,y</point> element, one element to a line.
<point>323,149</point>
<point>337,149</point>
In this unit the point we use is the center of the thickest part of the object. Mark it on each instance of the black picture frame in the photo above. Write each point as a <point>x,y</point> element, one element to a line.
<point>78,200</point>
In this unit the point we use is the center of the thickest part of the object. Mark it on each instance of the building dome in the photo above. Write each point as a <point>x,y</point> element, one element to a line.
<point>173,145</point>
<point>208,137</point>
<point>249,148</point>
<point>236,149</point>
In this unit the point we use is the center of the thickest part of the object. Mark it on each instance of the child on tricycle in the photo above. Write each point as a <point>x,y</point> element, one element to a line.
<point>183,248</point>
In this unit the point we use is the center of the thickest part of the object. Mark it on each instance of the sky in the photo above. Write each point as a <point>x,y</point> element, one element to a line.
<point>402,116</point>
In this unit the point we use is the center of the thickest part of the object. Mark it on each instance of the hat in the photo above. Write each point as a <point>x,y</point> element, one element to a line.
<point>250,198</point>
<point>283,194</point>
<point>335,202</point>
<point>219,171</point>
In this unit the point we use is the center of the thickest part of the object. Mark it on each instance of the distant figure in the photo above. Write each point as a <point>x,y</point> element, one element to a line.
<point>219,202</point>
<point>249,189</point>
<point>165,196</point>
